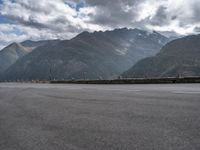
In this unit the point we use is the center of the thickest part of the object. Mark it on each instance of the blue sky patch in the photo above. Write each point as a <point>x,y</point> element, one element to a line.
<point>80,5</point>
<point>4,19</point>
<point>76,6</point>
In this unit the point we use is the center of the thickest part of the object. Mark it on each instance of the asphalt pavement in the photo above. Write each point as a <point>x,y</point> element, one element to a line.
<point>99,117</point>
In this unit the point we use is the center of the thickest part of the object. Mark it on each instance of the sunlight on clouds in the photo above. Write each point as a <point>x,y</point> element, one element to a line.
<point>174,27</point>
<point>147,9</point>
<point>50,19</point>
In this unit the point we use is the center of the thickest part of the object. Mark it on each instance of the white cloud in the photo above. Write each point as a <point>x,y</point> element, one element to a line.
<point>43,19</point>
<point>178,16</point>
<point>50,19</point>
<point>147,9</point>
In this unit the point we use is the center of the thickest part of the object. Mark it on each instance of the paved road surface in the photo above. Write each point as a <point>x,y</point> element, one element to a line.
<point>99,117</point>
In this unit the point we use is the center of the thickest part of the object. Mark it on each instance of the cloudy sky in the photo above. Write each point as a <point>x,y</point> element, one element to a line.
<point>63,19</point>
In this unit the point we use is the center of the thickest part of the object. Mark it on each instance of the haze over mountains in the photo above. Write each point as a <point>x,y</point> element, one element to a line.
<point>98,55</point>
<point>10,54</point>
<point>180,57</point>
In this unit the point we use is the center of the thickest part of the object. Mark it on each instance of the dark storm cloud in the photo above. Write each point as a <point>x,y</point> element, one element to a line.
<point>30,22</point>
<point>160,17</point>
<point>115,13</point>
<point>196,13</point>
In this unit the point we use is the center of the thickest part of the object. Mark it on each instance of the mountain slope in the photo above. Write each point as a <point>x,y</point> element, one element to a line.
<point>180,57</point>
<point>98,55</point>
<point>10,54</point>
<point>35,44</point>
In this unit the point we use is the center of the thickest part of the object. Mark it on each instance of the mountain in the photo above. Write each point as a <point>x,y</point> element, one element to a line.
<point>34,44</point>
<point>98,55</point>
<point>180,57</point>
<point>10,54</point>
